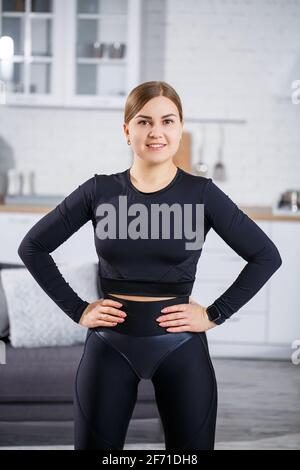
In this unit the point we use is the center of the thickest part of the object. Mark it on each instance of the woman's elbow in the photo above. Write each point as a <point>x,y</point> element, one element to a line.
<point>270,257</point>
<point>22,250</point>
<point>25,248</point>
<point>276,258</point>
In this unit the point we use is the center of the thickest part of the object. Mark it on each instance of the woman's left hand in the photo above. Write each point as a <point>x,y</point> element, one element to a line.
<point>185,317</point>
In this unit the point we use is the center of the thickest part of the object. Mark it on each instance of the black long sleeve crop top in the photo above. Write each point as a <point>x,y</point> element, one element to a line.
<point>139,256</point>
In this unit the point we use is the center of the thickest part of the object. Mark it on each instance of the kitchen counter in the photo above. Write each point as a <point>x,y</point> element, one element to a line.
<point>23,208</point>
<point>266,213</point>
<point>254,212</point>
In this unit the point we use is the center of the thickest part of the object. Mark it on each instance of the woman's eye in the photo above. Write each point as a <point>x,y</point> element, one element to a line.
<point>166,120</point>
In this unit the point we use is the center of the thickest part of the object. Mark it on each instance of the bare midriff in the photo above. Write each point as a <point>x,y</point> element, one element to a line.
<point>140,297</point>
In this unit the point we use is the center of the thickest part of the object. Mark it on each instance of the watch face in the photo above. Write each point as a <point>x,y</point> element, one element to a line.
<point>213,313</point>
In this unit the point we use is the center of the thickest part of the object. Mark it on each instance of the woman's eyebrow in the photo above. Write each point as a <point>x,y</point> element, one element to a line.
<point>149,117</point>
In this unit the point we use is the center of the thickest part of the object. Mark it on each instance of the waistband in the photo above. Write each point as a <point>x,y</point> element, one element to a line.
<point>141,316</point>
<point>149,288</point>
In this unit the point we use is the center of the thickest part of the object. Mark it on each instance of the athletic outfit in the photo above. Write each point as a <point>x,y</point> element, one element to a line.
<point>138,258</point>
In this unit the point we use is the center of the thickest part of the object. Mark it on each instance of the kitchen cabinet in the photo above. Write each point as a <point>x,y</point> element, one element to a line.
<point>72,52</point>
<point>13,228</point>
<point>284,308</point>
<point>15,225</point>
<point>37,30</point>
<point>217,269</point>
<point>267,325</point>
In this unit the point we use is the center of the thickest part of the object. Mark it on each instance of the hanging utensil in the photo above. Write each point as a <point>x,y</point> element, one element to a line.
<point>219,172</point>
<point>201,168</point>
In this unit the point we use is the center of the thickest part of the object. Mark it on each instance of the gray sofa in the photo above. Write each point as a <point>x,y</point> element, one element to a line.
<point>36,393</point>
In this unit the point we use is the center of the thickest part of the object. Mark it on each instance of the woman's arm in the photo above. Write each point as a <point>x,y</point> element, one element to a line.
<point>247,239</point>
<point>49,233</point>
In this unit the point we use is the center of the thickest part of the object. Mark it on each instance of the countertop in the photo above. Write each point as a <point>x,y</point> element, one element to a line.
<point>254,212</point>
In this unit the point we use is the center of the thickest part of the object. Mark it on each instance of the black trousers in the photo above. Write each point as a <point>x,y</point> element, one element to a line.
<point>115,359</point>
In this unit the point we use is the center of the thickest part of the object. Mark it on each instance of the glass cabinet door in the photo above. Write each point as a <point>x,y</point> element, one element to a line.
<point>71,52</point>
<point>29,23</point>
<point>101,43</point>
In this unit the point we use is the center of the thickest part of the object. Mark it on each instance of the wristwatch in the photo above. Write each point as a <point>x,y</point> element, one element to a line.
<point>213,313</point>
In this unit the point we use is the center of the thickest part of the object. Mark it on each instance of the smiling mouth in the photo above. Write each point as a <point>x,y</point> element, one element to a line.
<point>156,147</point>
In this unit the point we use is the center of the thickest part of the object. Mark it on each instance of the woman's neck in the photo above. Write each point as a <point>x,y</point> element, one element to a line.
<point>152,177</point>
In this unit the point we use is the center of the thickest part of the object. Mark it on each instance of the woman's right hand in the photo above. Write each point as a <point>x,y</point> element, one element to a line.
<point>103,312</point>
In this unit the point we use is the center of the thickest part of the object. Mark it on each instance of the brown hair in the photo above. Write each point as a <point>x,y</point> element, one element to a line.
<point>144,92</point>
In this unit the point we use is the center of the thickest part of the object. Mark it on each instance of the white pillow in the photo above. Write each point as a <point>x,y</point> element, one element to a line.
<point>4,323</point>
<point>34,318</point>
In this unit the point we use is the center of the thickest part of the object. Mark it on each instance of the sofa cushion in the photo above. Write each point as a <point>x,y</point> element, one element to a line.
<point>46,374</point>
<point>4,321</point>
<point>34,319</point>
<point>59,411</point>
<point>39,374</point>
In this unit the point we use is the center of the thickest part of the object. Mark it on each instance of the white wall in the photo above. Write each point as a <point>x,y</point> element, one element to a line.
<point>225,59</point>
<point>228,58</point>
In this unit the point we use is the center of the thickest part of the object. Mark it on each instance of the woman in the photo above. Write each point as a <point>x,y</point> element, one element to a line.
<point>146,325</point>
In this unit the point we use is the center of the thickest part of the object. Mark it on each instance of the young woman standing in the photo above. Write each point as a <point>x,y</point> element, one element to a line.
<point>146,325</point>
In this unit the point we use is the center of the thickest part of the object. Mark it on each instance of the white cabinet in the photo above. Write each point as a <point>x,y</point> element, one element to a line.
<point>222,266</point>
<point>72,52</point>
<point>217,269</point>
<point>102,51</point>
<point>284,308</point>
<point>244,325</point>
<point>268,324</point>
<point>78,248</point>
<point>36,73</point>
<point>13,228</point>
<point>241,328</point>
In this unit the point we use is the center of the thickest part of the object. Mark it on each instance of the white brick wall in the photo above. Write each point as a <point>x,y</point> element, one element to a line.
<point>226,59</point>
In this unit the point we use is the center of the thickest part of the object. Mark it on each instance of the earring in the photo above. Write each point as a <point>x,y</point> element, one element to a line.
<point>128,142</point>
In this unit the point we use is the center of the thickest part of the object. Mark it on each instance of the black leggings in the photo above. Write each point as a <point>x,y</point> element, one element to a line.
<point>115,359</point>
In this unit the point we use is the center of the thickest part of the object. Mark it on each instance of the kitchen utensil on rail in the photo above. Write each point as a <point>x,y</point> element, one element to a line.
<point>201,168</point>
<point>219,172</point>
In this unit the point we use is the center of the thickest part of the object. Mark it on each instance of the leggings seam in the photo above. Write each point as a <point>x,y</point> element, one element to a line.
<point>209,358</point>
<point>186,445</point>
<point>95,433</point>
<point>79,404</point>
<point>98,333</point>
<point>89,334</point>
<point>214,394</point>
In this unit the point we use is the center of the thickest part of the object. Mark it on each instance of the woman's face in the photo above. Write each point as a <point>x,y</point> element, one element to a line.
<point>157,122</point>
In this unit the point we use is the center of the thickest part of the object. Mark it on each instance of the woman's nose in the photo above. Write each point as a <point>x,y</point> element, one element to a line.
<point>156,134</point>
